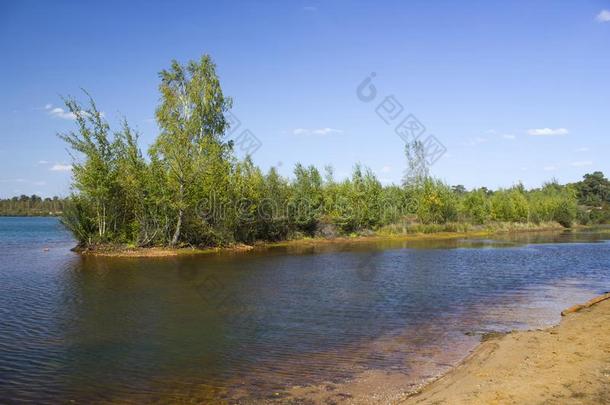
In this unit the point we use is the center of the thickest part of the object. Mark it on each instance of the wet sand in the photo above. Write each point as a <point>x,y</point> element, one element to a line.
<point>565,364</point>
<point>569,363</point>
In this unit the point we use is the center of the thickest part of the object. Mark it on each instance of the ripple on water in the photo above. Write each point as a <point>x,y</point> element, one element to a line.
<point>254,324</point>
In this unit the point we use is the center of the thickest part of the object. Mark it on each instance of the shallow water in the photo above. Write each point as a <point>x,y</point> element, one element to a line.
<point>248,325</point>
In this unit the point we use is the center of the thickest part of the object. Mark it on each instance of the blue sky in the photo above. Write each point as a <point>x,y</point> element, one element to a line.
<point>514,90</point>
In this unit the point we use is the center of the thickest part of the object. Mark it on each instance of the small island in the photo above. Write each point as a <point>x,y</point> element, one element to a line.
<point>190,190</point>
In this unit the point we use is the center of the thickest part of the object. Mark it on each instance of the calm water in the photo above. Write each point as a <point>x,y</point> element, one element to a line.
<point>249,324</point>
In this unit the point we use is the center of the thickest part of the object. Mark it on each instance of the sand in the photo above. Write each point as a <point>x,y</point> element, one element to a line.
<point>566,364</point>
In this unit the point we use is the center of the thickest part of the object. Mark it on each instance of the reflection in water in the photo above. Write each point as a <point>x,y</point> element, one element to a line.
<point>248,325</point>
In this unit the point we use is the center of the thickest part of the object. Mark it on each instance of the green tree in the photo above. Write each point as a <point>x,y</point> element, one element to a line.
<point>459,189</point>
<point>306,201</point>
<point>272,209</point>
<point>476,207</point>
<point>31,206</point>
<point>192,121</point>
<point>418,169</point>
<point>594,189</point>
<point>135,205</point>
<point>94,168</point>
<point>436,203</point>
<point>192,190</point>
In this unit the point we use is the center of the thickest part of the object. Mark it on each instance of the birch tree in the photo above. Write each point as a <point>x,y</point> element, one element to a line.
<point>418,169</point>
<point>191,116</point>
<point>93,169</point>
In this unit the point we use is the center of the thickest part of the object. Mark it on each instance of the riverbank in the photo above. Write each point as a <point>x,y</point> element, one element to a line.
<point>131,251</point>
<point>128,251</point>
<point>569,363</point>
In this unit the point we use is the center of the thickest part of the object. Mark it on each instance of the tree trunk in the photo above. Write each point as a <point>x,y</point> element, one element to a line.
<point>180,213</point>
<point>177,231</point>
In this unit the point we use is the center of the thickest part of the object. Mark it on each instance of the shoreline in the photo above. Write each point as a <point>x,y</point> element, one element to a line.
<point>158,252</point>
<point>566,362</point>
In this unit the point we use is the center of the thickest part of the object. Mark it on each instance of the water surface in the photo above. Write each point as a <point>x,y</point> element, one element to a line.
<point>248,325</point>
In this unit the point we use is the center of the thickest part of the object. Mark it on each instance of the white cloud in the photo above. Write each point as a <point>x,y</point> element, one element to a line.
<point>583,149</point>
<point>318,131</point>
<point>300,131</point>
<point>61,113</point>
<point>603,16</point>
<point>43,162</point>
<point>476,141</point>
<point>386,169</point>
<point>547,131</point>
<point>58,167</point>
<point>326,131</point>
<point>550,168</point>
<point>509,136</point>
<point>24,181</point>
<point>582,163</point>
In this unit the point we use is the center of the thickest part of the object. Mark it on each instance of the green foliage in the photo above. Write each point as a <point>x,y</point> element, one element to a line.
<point>594,196</point>
<point>594,189</point>
<point>305,204</point>
<point>273,222</point>
<point>31,206</point>
<point>190,189</point>
<point>554,202</point>
<point>192,121</point>
<point>95,176</point>
<point>356,203</point>
<point>436,202</point>
<point>565,213</point>
<point>79,218</point>
<point>509,206</point>
<point>475,206</point>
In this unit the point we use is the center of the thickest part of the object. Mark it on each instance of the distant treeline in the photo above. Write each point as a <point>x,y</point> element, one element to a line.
<point>190,189</point>
<point>31,206</point>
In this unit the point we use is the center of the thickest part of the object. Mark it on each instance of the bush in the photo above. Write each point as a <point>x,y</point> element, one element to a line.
<point>436,203</point>
<point>565,213</point>
<point>476,207</point>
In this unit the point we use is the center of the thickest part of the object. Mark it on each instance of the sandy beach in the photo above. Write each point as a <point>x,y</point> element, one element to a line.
<point>569,363</point>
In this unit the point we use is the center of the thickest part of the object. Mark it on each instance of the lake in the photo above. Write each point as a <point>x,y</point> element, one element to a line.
<point>247,326</point>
